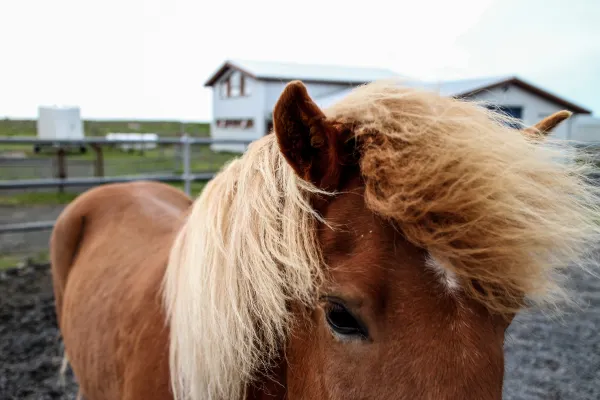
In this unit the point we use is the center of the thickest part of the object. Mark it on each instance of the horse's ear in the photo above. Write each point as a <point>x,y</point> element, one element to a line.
<point>544,127</point>
<point>309,142</point>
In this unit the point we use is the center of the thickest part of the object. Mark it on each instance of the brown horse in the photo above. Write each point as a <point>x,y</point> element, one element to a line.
<point>378,249</point>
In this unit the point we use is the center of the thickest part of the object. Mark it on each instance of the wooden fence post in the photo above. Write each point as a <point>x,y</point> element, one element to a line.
<point>62,167</point>
<point>185,148</point>
<point>99,161</point>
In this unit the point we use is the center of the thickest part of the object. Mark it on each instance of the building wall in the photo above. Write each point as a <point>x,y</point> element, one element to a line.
<point>258,106</point>
<point>232,133</point>
<point>273,91</point>
<point>246,107</point>
<point>586,129</point>
<point>535,108</point>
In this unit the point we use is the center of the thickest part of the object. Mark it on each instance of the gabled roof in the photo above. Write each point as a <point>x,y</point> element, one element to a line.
<point>276,71</point>
<point>470,87</point>
<point>462,87</point>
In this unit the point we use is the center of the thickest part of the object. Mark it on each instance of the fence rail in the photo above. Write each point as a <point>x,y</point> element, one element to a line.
<point>100,140</point>
<point>184,143</point>
<point>43,183</point>
<point>27,227</point>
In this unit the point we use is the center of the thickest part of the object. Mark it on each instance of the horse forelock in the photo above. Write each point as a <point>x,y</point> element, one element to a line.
<point>247,248</point>
<point>488,203</point>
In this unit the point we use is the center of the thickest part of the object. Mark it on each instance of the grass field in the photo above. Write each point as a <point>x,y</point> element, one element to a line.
<point>116,163</point>
<point>24,127</point>
<point>31,199</point>
<point>26,199</point>
<point>164,159</point>
<point>11,261</point>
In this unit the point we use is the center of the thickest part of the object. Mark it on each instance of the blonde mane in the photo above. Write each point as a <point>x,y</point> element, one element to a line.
<point>248,247</point>
<point>501,211</point>
<point>492,205</point>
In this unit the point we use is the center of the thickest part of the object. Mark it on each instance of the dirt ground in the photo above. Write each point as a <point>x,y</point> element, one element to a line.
<point>545,358</point>
<point>30,346</point>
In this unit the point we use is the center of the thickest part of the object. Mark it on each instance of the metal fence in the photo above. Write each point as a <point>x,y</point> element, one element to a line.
<point>34,170</point>
<point>28,163</point>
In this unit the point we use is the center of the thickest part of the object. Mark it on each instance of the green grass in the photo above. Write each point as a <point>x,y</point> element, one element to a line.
<point>36,198</point>
<point>32,199</point>
<point>196,187</point>
<point>9,261</point>
<point>200,153</point>
<point>164,159</point>
<point>26,127</point>
<point>12,260</point>
<point>18,127</point>
<point>117,162</point>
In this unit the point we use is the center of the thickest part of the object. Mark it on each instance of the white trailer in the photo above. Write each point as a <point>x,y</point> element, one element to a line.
<point>147,141</point>
<point>59,123</point>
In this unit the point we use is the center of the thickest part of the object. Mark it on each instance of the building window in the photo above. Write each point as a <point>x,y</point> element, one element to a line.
<point>246,86</point>
<point>235,123</point>
<point>223,88</point>
<point>235,84</point>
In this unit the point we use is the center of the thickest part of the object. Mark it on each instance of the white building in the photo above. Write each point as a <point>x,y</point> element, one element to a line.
<point>515,97</point>
<point>245,93</point>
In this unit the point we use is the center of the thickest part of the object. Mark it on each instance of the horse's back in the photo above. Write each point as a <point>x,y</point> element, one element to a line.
<point>115,241</point>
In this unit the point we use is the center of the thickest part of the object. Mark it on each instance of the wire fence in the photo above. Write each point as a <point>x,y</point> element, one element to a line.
<point>39,177</point>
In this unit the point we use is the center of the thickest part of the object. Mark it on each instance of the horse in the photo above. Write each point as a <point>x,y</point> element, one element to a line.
<point>375,249</point>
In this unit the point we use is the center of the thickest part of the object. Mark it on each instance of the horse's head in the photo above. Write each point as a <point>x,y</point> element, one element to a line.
<point>376,249</point>
<point>426,243</point>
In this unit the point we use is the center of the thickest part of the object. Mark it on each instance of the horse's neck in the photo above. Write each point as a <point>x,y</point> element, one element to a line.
<point>270,388</point>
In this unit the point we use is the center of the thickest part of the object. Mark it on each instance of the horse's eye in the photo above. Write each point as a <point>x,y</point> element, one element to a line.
<point>343,323</point>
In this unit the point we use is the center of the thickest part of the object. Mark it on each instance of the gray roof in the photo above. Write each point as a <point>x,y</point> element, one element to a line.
<point>462,86</point>
<point>445,88</point>
<point>331,99</point>
<point>281,71</point>
<point>266,70</point>
<point>467,87</point>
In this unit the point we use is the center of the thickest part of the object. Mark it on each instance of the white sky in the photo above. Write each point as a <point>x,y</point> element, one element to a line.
<point>149,59</point>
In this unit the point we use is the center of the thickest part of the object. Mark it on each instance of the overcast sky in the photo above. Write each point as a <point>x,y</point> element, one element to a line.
<point>149,59</point>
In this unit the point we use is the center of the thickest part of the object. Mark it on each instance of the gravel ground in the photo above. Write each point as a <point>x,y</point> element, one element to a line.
<point>546,359</point>
<point>557,359</point>
<point>30,346</point>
